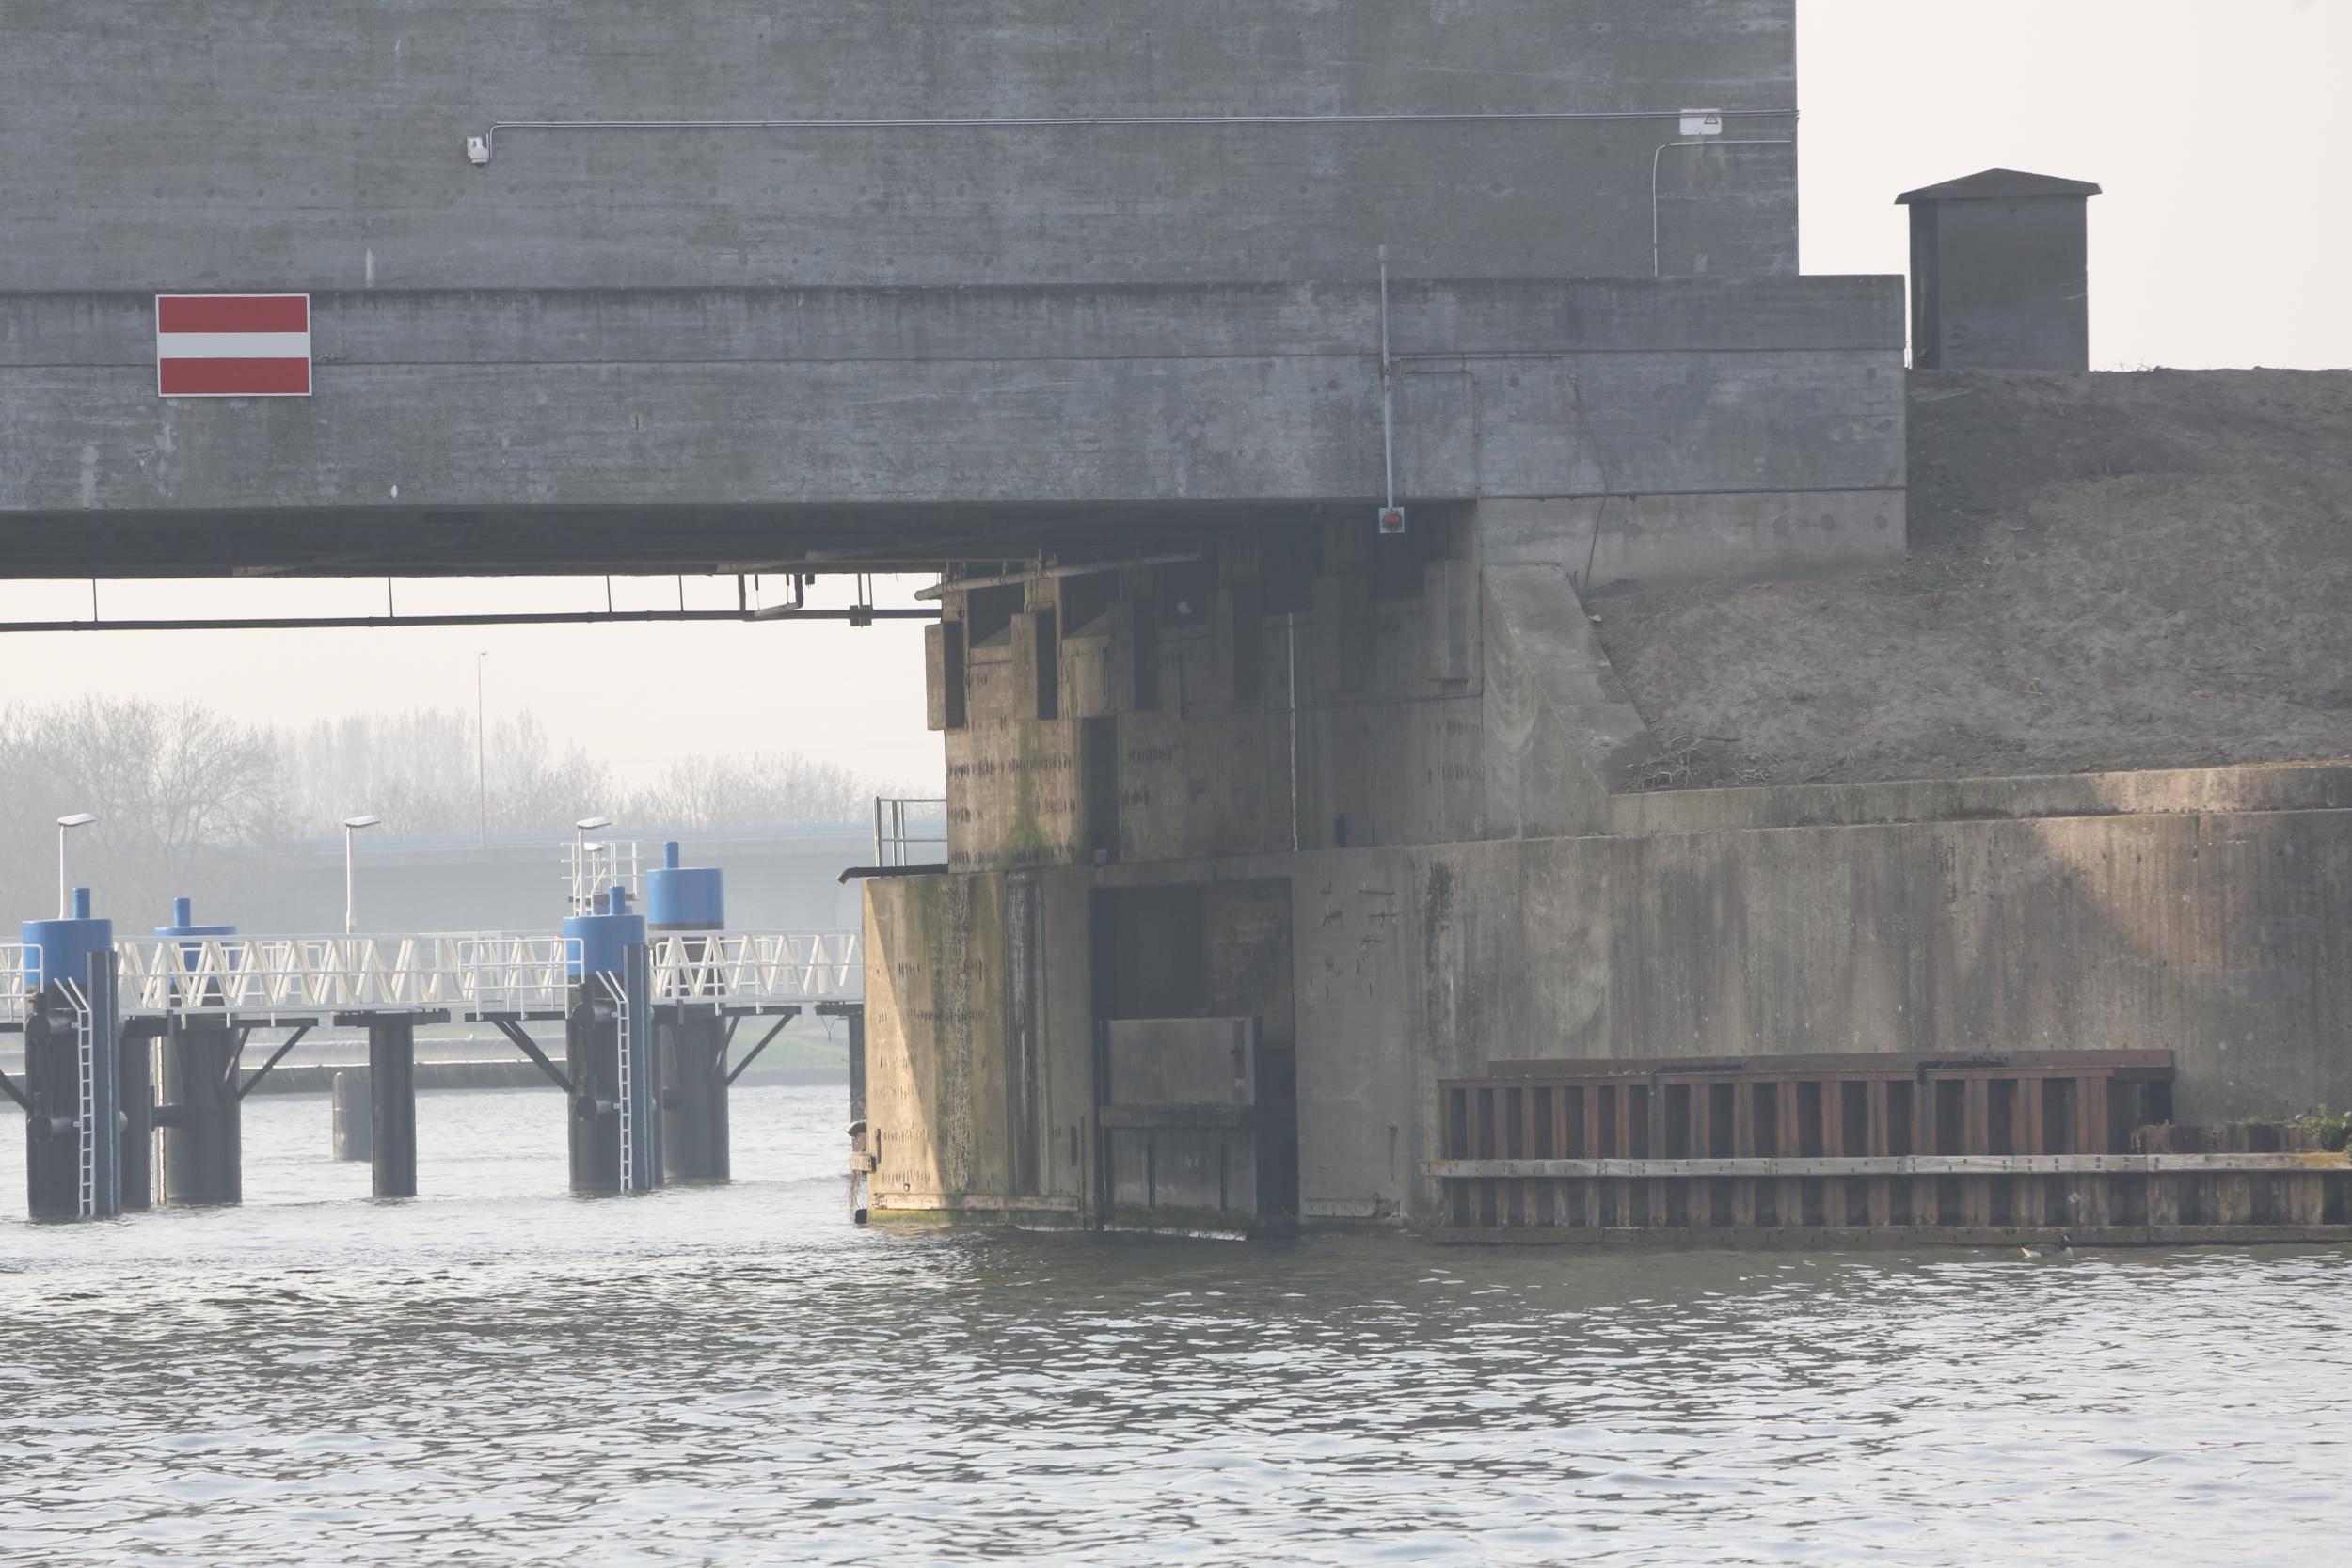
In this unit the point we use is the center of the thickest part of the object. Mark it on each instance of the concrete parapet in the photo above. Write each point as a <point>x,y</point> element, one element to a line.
<point>1760,422</point>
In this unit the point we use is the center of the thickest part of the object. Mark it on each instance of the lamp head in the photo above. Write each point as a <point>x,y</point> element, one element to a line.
<point>361,821</point>
<point>587,822</point>
<point>78,819</point>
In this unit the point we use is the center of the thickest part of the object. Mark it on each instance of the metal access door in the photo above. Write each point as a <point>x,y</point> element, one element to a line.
<point>1178,1122</point>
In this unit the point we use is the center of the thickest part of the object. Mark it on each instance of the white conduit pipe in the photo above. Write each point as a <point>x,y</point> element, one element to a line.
<point>1656,264</point>
<point>481,149</point>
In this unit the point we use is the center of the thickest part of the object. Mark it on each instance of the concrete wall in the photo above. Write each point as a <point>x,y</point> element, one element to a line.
<point>1759,422</point>
<point>210,144</point>
<point>2220,934</point>
<point>1418,692</point>
<point>979,1043</point>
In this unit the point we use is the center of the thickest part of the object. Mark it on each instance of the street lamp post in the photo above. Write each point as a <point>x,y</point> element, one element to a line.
<point>66,824</point>
<point>481,749</point>
<point>580,860</point>
<point>351,829</point>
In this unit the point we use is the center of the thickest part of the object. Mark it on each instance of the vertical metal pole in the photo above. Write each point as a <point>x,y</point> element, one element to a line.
<point>644,1126</point>
<point>355,1117</point>
<point>349,924</point>
<point>1388,395</point>
<point>393,1090</point>
<point>135,1085</point>
<point>202,1119</point>
<point>65,910</point>
<point>481,749</point>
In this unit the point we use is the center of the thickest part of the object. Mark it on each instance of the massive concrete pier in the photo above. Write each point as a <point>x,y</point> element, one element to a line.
<point>1265,815</point>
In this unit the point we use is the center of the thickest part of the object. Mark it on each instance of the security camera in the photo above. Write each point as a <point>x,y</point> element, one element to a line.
<point>477,151</point>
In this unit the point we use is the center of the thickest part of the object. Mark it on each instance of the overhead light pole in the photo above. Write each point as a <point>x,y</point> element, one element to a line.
<point>350,831</point>
<point>580,859</point>
<point>481,749</point>
<point>66,824</point>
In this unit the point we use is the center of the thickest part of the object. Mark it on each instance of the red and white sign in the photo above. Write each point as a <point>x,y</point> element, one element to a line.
<point>1391,519</point>
<point>233,345</point>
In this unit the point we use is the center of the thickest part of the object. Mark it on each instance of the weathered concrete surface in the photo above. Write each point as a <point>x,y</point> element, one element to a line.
<point>720,420</point>
<point>980,1089</point>
<point>2218,935</point>
<point>1561,736</point>
<point>2107,573</point>
<point>203,144</point>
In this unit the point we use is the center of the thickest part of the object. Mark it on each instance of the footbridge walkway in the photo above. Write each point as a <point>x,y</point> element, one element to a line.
<point>648,1032</point>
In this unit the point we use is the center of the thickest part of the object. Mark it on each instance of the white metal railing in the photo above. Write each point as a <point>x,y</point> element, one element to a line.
<point>19,962</point>
<point>589,868</point>
<point>904,823</point>
<point>261,977</point>
<point>511,973</point>
<point>470,974</point>
<point>746,968</point>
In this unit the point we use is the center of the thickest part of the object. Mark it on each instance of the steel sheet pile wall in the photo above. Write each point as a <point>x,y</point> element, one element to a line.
<point>1964,1148</point>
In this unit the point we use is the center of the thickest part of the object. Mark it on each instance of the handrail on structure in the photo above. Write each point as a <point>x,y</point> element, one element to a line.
<point>894,835</point>
<point>307,976</point>
<point>745,967</point>
<point>473,975</point>
<point>19,962</point>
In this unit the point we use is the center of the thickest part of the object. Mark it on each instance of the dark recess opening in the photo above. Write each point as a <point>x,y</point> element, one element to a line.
<point>1181,592</point>
<point>1289,560</point>
<point>1395,560</point>
<point>1086,600</point>
<point>1048,666</point>
<point>1097,782</point>
<point>951,675</point>
<point>988,615</point>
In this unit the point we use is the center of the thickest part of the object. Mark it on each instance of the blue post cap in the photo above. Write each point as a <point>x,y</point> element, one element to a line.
<point>66,945</point>
<point>685,898</point>
<point>606,939</point>
<point>183,923</point>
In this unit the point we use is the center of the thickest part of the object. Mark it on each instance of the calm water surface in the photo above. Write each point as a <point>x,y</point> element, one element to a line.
<point>498,1373</point>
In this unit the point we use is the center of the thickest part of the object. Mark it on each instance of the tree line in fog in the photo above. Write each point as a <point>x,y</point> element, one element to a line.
<point>175,785</point>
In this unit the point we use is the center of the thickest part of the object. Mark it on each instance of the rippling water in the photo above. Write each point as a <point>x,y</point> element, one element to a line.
<point>498,1373</point>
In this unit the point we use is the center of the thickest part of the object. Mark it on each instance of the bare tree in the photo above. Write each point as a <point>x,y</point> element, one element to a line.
<point>715,792</point>
<point>169,785</point>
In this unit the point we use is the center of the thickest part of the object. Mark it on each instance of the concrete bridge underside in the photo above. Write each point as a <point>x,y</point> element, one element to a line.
<point>1736,423</point>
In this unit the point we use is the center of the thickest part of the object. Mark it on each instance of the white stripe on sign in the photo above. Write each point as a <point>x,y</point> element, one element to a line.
<point>233,345</point>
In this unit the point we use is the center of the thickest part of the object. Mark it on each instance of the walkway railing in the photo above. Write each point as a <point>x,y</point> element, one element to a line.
<point>740,969</point>
<point>261,977</point>
<point>19,962</point>
<point>905,825</point>
<point>508,973</point>
<point>468,975</point>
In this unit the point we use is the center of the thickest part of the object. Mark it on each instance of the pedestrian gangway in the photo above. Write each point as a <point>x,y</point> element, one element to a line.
<point>268,981</point>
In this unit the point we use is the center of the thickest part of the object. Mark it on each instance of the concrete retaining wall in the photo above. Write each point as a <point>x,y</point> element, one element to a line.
<point>2220,935</point>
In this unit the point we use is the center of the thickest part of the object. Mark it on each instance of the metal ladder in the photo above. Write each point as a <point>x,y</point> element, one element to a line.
<point>85,1119</point>
<point>618,990</point>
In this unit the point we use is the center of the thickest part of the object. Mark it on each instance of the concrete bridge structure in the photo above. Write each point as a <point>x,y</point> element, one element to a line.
<point>1262,820</point>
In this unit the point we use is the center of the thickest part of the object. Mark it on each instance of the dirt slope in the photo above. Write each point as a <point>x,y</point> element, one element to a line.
<point>2108,571</point>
